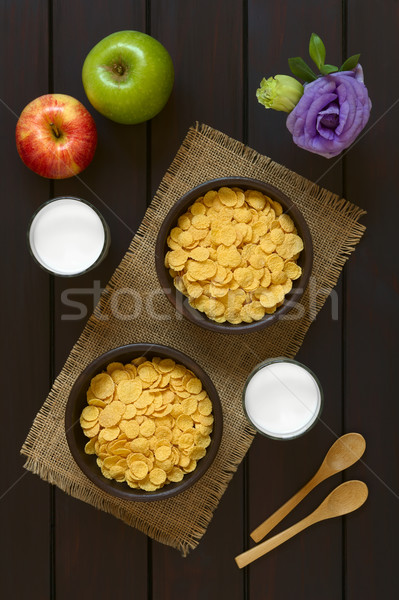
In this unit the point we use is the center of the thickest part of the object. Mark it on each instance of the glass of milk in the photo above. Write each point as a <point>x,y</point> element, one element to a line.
<point>282,398</point>
<point>68,236</point>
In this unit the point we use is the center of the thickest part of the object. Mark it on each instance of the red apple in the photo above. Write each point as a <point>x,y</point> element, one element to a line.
<point>56,136</point>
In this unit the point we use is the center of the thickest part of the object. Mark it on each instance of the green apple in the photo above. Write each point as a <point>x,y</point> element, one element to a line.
<point>128,77</point>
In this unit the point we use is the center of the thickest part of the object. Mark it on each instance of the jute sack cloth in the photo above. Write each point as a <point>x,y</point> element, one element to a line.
<point>133,309</point>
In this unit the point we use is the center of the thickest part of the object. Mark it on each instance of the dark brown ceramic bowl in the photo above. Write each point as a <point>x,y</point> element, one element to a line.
<point>180,302</point>
<point>77,440</point>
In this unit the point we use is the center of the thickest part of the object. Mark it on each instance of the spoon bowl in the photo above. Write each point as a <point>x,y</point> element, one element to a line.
<point>345,451</point>
<point>347,497</point>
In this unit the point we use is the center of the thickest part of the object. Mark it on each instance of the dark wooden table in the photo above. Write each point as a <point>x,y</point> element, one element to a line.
<point>54,546</point>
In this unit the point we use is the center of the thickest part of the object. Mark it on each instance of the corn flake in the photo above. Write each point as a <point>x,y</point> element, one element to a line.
<point>102,385</point>
<point>90,413</point>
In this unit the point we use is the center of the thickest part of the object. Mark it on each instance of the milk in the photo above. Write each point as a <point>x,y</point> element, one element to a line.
<point>67,236</point>
<point>282,399</point>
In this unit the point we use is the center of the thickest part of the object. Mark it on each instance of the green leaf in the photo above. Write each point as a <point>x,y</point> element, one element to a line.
<point>317,50</point>
<point>350,63</point>
<point>300,69</point>
<point>326,69</point>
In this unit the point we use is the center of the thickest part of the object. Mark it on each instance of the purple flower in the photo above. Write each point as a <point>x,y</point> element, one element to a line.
<point>331,113</point>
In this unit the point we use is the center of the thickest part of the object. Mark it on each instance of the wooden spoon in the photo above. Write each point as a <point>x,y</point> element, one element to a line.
<point>344,452</point>
<point>344,499</point>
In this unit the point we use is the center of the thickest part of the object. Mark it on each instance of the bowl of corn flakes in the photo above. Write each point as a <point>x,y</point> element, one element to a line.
<point>143,422</point>
<point>234,255</point>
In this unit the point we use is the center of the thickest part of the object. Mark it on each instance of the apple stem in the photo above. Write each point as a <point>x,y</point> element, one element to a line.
<point>119,70</point>
<point>55,130</point>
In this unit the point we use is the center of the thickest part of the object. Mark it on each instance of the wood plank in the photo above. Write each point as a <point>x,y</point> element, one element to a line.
<point>209,571</point>
<point>372,328</point>
<point>24,520</point>
<point>275,33</point>
<point>115,182</point>
<point>205,42</point>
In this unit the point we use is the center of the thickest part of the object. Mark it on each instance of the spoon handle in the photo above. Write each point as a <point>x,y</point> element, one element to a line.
<point>271,522</point>
<point>249,556</point>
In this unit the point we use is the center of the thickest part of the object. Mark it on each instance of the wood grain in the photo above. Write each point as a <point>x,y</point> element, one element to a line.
<point>372,300</point>
<point>91,546</point>
<point>277,31</point>
<point>25,516</point>
<point>205,42</point>
<point>221,49</point>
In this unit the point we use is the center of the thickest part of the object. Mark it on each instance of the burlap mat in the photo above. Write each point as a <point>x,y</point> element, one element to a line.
<point>205,154</point>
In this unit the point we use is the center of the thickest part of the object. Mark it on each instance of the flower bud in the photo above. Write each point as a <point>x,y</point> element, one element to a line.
<point>281,92</point>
